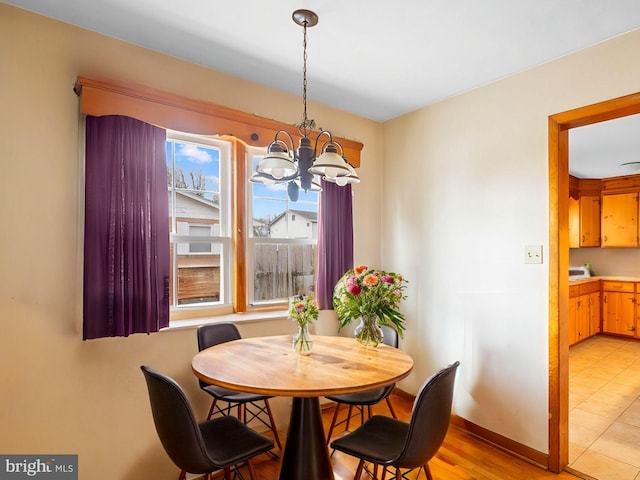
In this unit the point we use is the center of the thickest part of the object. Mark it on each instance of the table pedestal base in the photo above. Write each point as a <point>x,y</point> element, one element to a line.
<point>306,455</point>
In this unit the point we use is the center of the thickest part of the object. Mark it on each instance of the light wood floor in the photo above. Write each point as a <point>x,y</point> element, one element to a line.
<point>462,457</point>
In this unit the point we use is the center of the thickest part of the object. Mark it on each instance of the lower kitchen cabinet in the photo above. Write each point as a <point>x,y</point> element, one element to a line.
<point>619,308</point>
<point>584,311</point>
<point>594,313</point>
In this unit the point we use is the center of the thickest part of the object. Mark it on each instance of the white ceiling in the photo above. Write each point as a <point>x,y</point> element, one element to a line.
<point>376,58</point>
<point>601,149</point>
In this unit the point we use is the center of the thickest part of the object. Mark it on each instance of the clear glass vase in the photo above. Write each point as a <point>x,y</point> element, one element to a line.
<point>368,332</point>
<point>302,341</point>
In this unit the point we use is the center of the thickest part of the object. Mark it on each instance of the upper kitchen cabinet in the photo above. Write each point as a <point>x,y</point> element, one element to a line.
<point>584,213</point>
<point>574,222</point>
<point>589,221</point>
<point>619,225</point>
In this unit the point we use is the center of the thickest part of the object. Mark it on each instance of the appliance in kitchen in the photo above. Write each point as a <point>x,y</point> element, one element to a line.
<point>579,273</point>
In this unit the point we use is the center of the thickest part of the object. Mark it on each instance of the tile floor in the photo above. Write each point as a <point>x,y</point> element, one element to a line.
<point>604,408</point>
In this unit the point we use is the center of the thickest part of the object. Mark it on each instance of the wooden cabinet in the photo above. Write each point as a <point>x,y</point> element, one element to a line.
<point>578,319</point>
<point>594,313</point>
<point>574,222</point>
<point>584,221</point>
<point>637,323</point>
<point>590,221</point>
<point>619,226</point>
<point>618,308</point>
<point>584,311</point>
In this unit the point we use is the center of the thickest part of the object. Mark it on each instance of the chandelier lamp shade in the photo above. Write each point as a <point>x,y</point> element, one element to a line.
<point>303,168</point>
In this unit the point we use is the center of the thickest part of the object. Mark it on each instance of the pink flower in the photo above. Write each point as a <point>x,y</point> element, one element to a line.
<point>353,288</point>
<point>387,279</point>
<point>300,307</point>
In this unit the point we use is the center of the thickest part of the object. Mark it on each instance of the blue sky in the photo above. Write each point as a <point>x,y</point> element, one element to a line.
<point>269,200</point>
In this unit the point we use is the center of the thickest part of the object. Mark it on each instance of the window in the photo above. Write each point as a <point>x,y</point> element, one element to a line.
<point>281,248</point>
<point>281,252</point>
<point>199,220</point>
<point>170,111</point>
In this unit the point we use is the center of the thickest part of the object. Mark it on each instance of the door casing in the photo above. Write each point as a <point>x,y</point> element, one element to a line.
<point>559,126</point>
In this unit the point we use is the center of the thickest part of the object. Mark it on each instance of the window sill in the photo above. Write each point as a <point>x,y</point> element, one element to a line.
<point>232,317</point>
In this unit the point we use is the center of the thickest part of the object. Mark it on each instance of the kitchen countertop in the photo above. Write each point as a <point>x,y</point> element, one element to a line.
<point>606,277</point>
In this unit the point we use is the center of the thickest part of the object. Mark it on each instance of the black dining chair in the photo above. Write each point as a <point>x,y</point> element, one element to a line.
<point>392,443</point>
<point>199,448</point>
<point>365,399</point>
<point>250,406</point>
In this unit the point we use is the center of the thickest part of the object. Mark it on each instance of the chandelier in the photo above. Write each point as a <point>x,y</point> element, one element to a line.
<point>303,168</point>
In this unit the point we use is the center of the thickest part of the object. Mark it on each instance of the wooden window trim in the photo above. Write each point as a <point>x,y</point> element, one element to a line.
<point>183,114</point>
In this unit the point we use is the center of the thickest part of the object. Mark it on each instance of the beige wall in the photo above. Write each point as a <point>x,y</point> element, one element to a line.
<point>60,394</point>
<point>466,188</point>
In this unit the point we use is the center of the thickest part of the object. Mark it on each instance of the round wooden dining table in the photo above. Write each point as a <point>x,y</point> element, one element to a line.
<point>269,366</point>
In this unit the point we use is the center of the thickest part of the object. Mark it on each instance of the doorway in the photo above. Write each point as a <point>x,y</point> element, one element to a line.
<point>559,126</point>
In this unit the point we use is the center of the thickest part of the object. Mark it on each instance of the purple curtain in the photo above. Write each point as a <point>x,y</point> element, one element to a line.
<point>335,240</point>
<point>126,233</point>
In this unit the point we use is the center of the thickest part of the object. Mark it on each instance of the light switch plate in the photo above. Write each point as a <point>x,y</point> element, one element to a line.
<point>533,254</point>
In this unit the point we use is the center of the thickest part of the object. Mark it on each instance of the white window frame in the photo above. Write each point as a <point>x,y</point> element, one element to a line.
<point>224,305</point>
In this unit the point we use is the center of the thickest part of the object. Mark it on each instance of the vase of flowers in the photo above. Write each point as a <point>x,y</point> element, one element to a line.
<point>304,310</point>
<point>373,297</point>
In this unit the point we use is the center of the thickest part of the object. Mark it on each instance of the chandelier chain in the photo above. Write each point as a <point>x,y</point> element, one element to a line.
<point>305,126</point>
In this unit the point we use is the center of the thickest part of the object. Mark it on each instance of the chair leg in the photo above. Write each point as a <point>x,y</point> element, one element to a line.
<point>393,413</point>
<point>333,422</point>
<point>183,475</point>
<point>427,471</point>
<point>213,406</point>
<point>398,474</point>
<point>359,470</point>
<point>273,424</point>
<point>252,470</point>
<point>348,417</point>
<point>227,473</point>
